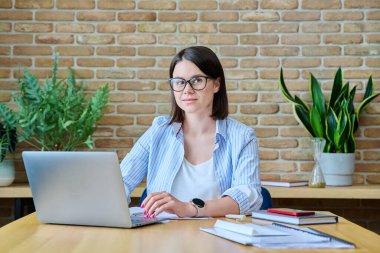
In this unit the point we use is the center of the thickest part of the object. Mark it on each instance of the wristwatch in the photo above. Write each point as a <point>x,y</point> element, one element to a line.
<point>198,204</point>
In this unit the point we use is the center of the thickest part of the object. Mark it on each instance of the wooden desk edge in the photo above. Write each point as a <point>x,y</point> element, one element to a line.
<point>350,192</point>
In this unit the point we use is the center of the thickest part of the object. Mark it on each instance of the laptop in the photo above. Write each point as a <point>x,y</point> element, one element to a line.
<point>80,188</point>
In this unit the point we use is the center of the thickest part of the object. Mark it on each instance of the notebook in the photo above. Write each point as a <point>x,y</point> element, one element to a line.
<point>79,188</point>
<point>317,218</point>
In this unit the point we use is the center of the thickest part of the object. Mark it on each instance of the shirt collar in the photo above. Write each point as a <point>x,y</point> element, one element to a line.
<point>221,128</point>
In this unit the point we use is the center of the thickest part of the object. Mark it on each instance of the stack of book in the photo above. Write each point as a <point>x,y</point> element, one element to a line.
<point>296,217</point>
<point>284,183</point>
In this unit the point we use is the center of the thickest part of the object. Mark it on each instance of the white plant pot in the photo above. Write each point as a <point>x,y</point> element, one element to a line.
<point>7,172</point>
<point>338,168</point>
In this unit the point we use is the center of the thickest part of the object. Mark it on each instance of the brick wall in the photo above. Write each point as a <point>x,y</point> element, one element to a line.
<point>129,45</point>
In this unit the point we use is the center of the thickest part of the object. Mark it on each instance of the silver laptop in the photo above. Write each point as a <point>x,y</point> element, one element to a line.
<point>79,188</point>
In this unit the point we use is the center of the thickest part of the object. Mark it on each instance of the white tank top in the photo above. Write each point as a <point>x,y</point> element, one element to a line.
<point>195,181</point>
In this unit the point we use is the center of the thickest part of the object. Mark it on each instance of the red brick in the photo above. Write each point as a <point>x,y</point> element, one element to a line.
<point>55,39</point>
<point>361,4</point>
<point>157,28</point>
<point>54,16</point>
<point>116,50</point>
<point>16,38</point>
<point>179,39</point>
<point>156,51</point>
<point>198,28</point>
<point>32,50</point>
<point>5,27</point>
<point>321,5</point>
<point>135,62</point>
<point>5,50</point>
<point>198,5</point>
<point>116,5</point>
<point>115,28</point>
<point>6,4</point>
<point>15,62</point>
<point>136,109</point>
<point>114,143</point>
<point>130,131</point>
<point>95,16</point>
<point>178,17</point>
<point>95,39</point>
<point>35,4</point>
<point>75,28</point>
<point>137,39</point>
<point>238,28</point>
<point>75,4</point>
<point>114,74</point>
<point>219,16</point>
<point>136,85</point>
<point>116,120</point>
<point>259,39</point>
<point>49,62</point>
<point>16,15</point>
<point>279,51</point>
<point>145,120</point>
<point>123,97</point>
<point>260,16</point>
<point>75,50</point>
<point>157,5</point>
<point>97,62</point>
<point>138,16</point>
<point>238,5</point>
<point>301,16</point>
<point>153,97</point>
<point>152,74</point>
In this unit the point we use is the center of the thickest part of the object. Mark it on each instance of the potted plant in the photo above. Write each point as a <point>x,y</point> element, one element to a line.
<point>57,115</point>
<point>335,120</point>
<point>8,140</point>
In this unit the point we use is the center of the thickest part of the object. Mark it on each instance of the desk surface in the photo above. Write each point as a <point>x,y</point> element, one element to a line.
<point>28,235</point>
<point>347,192</point>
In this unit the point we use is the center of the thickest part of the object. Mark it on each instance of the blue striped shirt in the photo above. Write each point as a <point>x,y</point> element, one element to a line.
<point>159,154</point>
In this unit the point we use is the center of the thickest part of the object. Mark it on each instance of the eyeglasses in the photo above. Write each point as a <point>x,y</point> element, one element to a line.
<point>196,83</point>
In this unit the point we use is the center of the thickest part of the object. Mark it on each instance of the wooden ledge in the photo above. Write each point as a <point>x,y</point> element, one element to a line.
<point>346,192</point>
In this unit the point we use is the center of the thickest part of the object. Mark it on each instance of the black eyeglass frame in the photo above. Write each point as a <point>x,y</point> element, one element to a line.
<point>188,82</point>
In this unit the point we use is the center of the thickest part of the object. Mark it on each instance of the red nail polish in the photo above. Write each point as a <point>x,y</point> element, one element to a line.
<point>142,206</point>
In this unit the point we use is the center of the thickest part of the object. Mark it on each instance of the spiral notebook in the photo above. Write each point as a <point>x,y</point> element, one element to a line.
<point>287,237</point>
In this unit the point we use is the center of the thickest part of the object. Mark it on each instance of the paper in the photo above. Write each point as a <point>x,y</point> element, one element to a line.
<point>248,229</point>
<point>295,238</point>
<point>138,211</point>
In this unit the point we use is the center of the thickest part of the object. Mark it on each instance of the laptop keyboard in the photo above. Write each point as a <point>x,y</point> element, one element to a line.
<point>142,220</point>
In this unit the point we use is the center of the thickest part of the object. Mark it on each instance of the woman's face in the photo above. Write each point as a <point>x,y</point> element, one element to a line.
<point>193,101</point>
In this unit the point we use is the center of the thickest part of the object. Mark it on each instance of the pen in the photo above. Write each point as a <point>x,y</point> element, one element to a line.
<point>236,216</point>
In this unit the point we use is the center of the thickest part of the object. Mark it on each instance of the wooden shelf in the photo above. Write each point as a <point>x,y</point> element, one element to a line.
<point>347,192</point>
<point>338,192</point>
<point>23,191</point>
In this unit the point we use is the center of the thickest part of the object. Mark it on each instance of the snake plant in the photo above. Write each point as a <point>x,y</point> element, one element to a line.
<point>335,120</point>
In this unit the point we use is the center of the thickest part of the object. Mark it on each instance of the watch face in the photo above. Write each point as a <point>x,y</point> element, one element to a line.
<point>199,203</point>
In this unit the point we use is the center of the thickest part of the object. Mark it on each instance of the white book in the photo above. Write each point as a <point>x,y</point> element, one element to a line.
<point>284,183</point>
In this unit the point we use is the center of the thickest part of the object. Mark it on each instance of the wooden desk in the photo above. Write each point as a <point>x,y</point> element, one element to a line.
<point>28,235</point>
<point>347,192</point>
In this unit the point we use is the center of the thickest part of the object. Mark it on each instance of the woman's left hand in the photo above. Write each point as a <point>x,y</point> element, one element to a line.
<point>158,202</point>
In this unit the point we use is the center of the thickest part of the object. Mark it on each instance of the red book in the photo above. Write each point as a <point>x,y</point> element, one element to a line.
<point>292,212</point>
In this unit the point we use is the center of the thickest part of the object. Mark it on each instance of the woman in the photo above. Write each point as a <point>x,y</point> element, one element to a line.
<point>198,161</point>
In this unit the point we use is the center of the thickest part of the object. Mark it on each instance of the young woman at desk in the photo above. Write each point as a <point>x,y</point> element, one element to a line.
<point>198,161</point>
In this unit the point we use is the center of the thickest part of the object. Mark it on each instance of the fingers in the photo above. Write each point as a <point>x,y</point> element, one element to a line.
<point>157,202</point>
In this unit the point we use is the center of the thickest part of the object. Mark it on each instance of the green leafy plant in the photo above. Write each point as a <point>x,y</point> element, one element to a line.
<point>8,140</point>
<point>57,115</point>
<point>335,120</point>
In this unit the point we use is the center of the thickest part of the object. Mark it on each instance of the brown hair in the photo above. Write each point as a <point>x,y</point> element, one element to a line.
<point>207,61</point>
